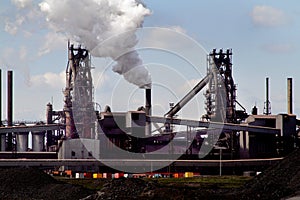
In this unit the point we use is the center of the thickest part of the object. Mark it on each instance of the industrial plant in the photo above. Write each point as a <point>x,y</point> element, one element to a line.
<point>82,138</point>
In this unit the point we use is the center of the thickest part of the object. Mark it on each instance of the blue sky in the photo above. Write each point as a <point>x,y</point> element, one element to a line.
<point>264,37</point>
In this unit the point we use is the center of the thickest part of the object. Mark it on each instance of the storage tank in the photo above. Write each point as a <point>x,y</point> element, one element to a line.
<point>22,140</point>
<point>38,139</point>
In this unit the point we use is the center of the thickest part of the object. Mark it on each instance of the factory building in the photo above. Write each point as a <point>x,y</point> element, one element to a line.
<point>265,145</point>
<point>79,131</point>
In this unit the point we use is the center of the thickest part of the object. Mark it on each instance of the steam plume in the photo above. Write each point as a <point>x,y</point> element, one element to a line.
<point>106,28</point>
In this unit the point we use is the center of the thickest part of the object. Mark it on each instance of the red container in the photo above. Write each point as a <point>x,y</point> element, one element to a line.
<point>88,175</point>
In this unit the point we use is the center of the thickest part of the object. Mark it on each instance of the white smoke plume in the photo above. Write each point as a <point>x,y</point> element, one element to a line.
<point>106,28</point>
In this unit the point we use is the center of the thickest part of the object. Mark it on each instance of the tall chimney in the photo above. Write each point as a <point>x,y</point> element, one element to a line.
<point>290,95</point>
<point>1,98</point>
<point>3,136</point>
<point>49,116</point>
<point>148,111</point>
<point>9,107</point>
<point>267,103</point>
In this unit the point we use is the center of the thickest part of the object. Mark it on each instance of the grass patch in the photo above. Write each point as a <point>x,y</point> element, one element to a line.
<point>207,182</point>
<point>202,182</point>
<point>91,184</point>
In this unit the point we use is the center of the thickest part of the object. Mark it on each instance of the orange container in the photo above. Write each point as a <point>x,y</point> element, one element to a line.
<point>68,172</point>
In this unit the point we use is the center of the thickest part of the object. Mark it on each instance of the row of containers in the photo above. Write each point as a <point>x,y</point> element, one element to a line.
<point>23,140</point>
<point>89,175</point>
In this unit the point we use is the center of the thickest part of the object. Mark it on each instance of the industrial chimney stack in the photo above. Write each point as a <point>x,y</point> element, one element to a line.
<point>9,108</point>
<point>290,95</point>
<point>267,109</point>
<point>148,111</point>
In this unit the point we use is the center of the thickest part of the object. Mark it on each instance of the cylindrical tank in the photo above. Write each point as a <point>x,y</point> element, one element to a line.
<point>22,140</point>
<point>38,139</point>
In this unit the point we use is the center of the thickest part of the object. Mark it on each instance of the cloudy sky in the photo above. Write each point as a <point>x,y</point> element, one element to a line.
<point>263,34</point>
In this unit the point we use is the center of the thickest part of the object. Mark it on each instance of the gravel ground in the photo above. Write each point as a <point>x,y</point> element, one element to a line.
<point>27,183</point>
<point>277,182</point>
<point>281,181</point>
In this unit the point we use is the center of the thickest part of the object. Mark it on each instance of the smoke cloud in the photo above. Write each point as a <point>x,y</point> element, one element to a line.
<point>106,28</point>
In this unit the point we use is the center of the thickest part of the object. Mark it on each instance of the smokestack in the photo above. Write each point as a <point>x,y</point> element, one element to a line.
<point>148,111</point>
<point>9,97</point>
<point>1,97</point>
<point>49,116</point>
<point>9,107</point>
<point>3,136</point>
<point>290,95</point>
<point>267,103</point>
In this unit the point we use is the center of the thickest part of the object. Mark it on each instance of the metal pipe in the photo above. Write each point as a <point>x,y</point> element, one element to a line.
<point>148,111</point>
<point>290,95</point>
<point>9,108</point>
<point>188,97</point>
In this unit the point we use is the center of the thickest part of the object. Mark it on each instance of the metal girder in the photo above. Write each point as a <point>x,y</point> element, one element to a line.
<point>20,129</point>
<point>188,96</point>
<point>213,125</point>
<point>133,162</point>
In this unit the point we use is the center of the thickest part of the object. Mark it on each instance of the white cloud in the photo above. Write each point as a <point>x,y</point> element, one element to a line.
<point>12,27</point>
<point>25,18</point>
<point>267,16</point>
<point>49,79</point>
<point>21,4</point>
<point>53,41</point>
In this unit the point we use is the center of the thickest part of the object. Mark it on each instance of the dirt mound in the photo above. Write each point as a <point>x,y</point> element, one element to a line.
<point>27,183</point>
<point>125,189</point>
<point>278,181</point>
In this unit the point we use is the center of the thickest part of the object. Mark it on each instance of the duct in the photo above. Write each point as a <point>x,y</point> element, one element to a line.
<point>188,97</point>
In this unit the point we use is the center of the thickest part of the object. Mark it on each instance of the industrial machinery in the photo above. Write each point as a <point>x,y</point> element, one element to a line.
<point>70,132</point>
<point>131,131</point>
<point>78,95</point>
